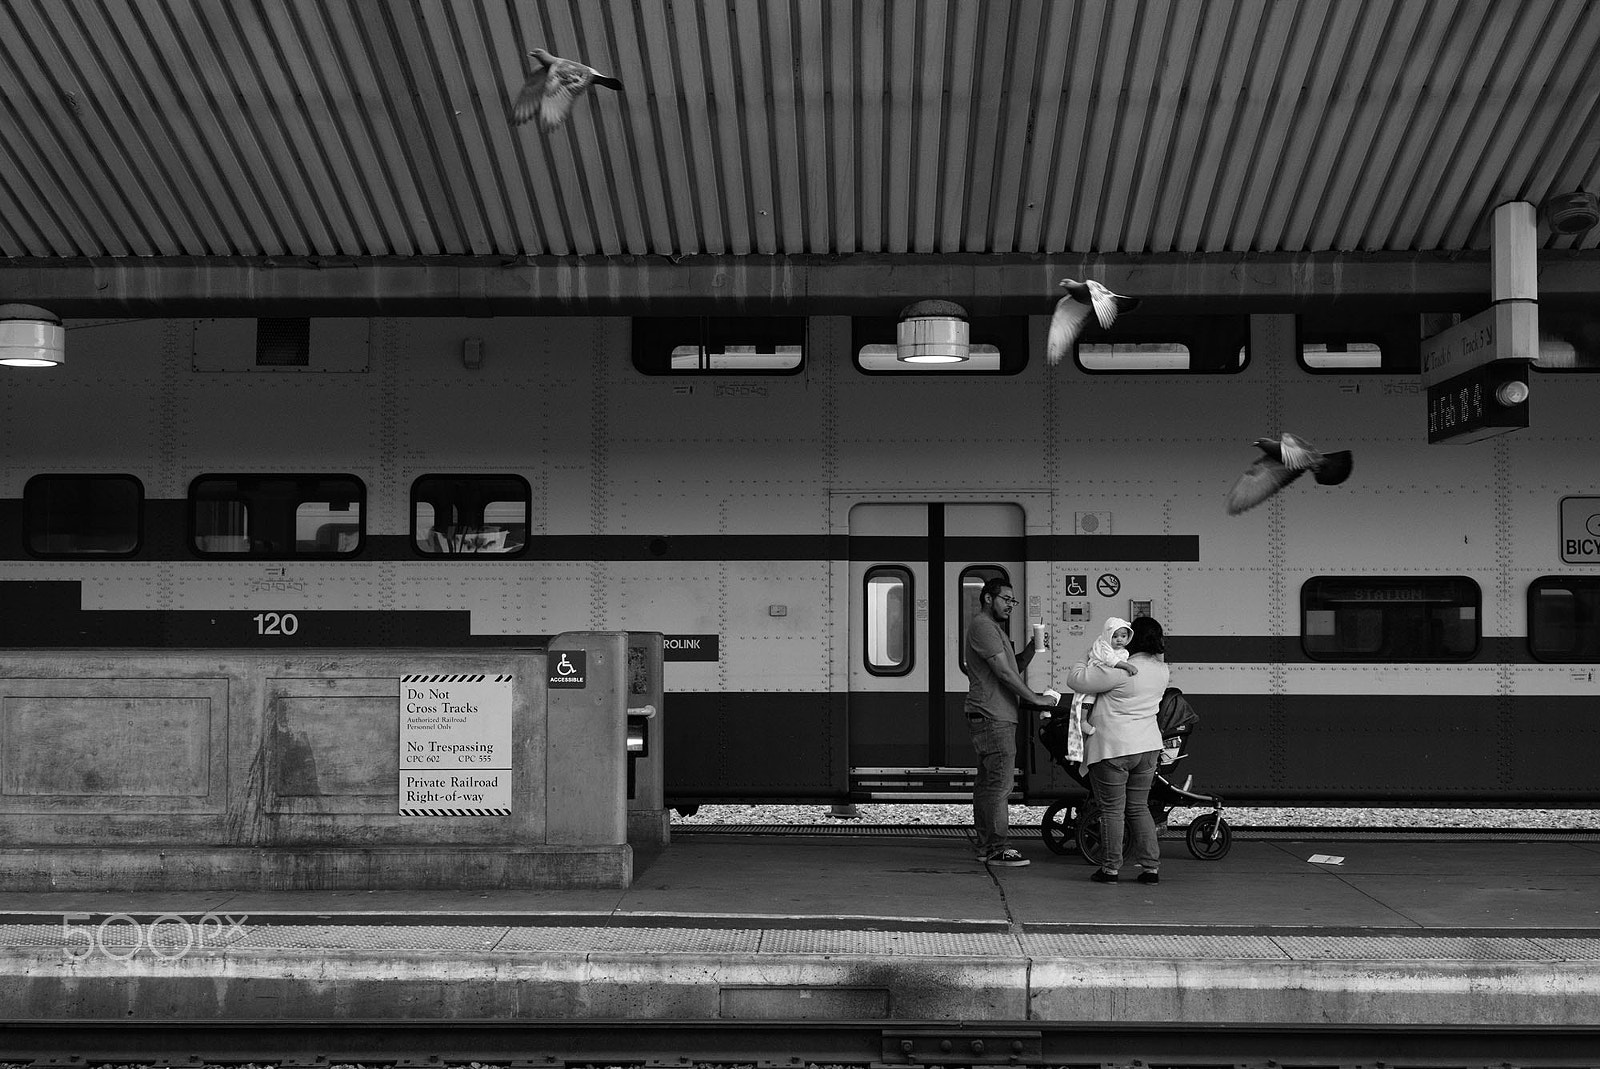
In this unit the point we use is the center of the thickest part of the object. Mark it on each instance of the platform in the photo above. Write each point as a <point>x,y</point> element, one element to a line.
<point>863,925</point>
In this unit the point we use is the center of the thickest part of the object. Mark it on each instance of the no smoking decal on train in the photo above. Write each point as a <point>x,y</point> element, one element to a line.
<point>1580,530</point>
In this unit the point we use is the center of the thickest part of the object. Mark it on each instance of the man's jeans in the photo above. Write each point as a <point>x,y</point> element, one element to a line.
<point>1122,791</point>
<point>996,746</point>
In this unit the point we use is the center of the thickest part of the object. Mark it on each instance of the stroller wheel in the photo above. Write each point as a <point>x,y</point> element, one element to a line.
<point>1060,828</point>
<point>1209,837</point>
<point>1090,844</point>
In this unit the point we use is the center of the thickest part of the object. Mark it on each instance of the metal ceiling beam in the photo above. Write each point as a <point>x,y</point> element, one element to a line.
<point>761,285</point>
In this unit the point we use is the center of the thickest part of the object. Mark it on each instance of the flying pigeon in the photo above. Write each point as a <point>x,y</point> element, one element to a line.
<point>551,89</point>
<point>1282,461</point>
<point>1073,311</point>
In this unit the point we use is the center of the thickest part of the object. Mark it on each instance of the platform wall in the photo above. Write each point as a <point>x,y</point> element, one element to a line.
<point>134,768</point>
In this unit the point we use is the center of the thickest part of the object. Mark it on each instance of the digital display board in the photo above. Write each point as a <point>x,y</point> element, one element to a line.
<point>1466,408</point>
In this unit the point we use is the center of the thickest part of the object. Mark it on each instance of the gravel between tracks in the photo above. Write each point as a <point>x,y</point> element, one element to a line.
<point>1238,816</point>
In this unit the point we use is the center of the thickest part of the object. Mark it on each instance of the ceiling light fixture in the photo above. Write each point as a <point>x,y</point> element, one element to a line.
<point>31,337</point>
<point>933,332</point>
<point>1572,213</point>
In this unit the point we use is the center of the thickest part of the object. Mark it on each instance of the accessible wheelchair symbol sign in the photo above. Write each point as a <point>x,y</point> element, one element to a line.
<point>567,668</point>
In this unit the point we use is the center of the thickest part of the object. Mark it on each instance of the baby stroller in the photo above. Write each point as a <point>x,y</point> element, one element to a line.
<point>1070,824</point>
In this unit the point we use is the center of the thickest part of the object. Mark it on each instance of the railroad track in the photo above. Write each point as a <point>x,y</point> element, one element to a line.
<point>874,1044</point>
<point>1240,832</point>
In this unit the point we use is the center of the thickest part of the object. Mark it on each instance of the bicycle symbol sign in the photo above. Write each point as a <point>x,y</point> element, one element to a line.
<point>1108,585</point>
<point>567,668</point>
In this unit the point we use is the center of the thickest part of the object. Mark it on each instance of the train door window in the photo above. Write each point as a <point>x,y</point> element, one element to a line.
<point>82,515</point>
<point>277,516</point>
<point>888,620</point>
<point>972,580</point>
<point>470,515</point>
<point>1564,618</point>
<point>743,345</point>
<point>1390,618</point>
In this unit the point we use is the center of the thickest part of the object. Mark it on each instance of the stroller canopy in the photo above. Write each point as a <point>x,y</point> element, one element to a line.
<point>1175,716</point>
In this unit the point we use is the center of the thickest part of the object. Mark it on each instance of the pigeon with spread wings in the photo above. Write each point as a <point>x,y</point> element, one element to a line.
<point>1083,299</point>
<point>553,87</point>
<point>1282,461</point>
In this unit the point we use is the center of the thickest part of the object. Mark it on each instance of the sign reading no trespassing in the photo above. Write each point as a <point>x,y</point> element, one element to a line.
<point>455,745</point>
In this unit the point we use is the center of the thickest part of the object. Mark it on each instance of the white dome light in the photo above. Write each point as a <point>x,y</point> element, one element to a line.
<point>933,332</point>
<point>31,337</point>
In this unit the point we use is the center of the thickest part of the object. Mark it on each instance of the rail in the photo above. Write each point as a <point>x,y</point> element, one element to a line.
<point>313,1044</point>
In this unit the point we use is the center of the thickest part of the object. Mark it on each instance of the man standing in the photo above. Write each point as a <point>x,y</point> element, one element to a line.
<point>996,684</point>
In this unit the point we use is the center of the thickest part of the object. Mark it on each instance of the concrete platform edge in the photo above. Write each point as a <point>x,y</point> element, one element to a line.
<point>330,868</point>
<point>296,984</point>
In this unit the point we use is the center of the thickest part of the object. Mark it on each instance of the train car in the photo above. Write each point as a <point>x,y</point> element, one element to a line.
<point>806,516</point>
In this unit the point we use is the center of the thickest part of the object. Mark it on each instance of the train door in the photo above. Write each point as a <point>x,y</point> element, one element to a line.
<point>915,573</point>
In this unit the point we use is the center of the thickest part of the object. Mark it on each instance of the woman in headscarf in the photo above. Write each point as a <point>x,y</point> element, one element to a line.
<point>1123,751</point>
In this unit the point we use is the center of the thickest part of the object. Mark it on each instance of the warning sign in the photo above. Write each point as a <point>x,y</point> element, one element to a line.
<point>455,745</point>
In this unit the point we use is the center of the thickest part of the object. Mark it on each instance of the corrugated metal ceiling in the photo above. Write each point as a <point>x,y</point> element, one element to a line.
<point>377,128</point>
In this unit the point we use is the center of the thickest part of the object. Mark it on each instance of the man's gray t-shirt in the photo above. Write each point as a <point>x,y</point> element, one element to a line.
<point>985,693</point>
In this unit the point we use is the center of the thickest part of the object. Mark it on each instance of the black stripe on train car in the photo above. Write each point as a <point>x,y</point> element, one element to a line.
<point>48,614</point>
<point>1296,749</point>
<point>39,614</point>
<point>165,537</point>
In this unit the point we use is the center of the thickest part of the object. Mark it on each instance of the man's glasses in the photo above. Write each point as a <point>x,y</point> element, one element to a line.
<point>1007,600</point>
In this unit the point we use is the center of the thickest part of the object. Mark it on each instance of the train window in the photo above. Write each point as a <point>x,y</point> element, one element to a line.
<point>888,620</point>
<point>470,515</point>
<point>972,580</point>
<point>1135,356</point>
<point>1341,356</point>
<point>1195,345</point>
<point>1390,618</point>
<point>1377,342</point>
<point>996,345</point>
<point>82,515</point>
<point>1569,334</point>
<point>277,515</point>
<point>1564,618</point>
<point>744,345</point>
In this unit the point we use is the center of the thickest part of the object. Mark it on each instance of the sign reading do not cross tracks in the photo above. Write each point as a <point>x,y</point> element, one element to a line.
<point>455,745</point>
